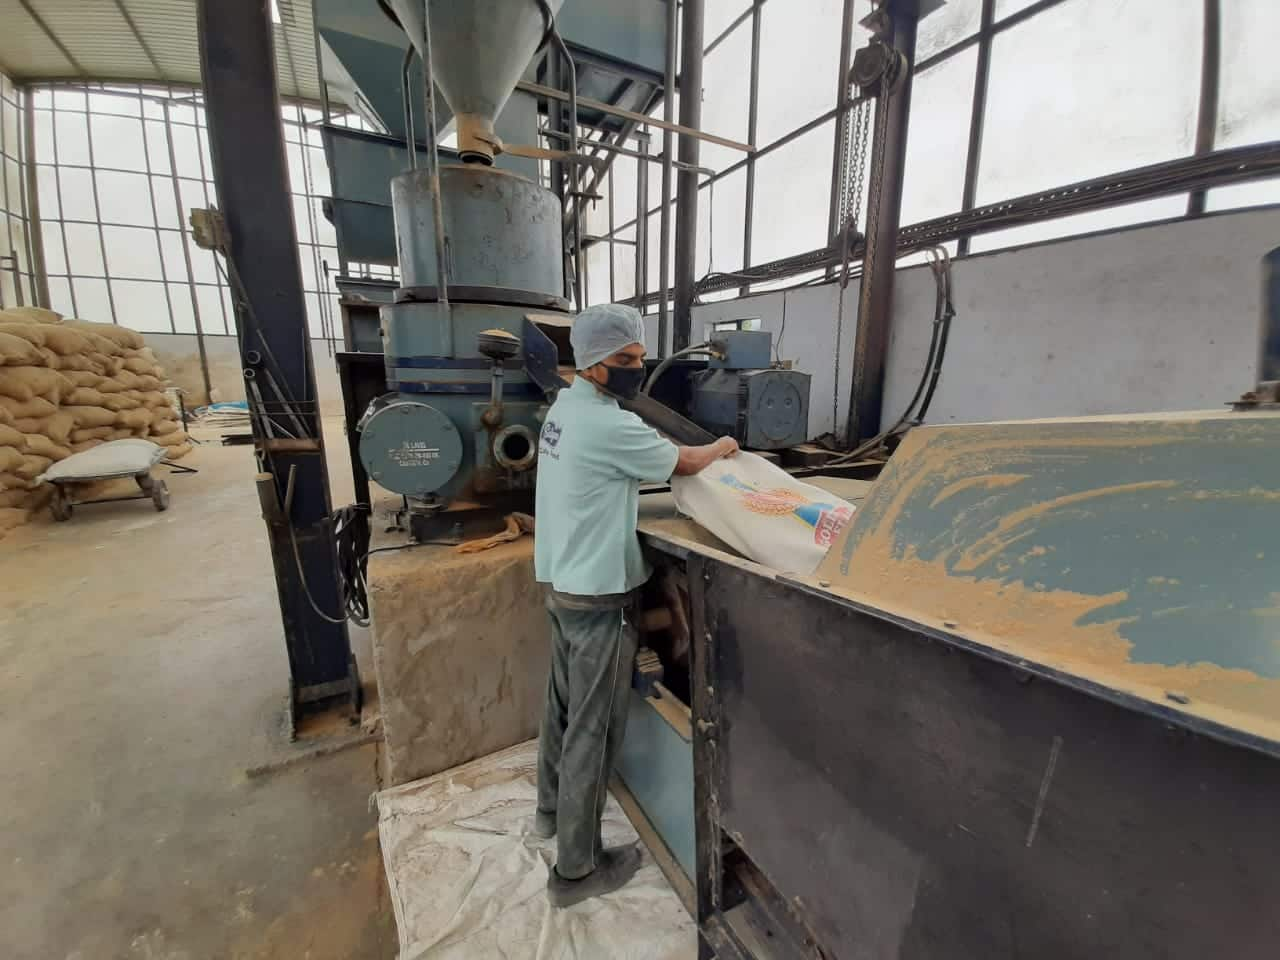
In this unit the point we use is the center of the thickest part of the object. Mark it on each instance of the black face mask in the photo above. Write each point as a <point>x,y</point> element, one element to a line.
<point>624,382</point>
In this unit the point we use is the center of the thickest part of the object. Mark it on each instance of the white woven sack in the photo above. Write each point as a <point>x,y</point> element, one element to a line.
<point>763,512</point>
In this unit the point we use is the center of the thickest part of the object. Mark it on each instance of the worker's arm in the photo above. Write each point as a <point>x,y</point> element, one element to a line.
<point>696,459</point>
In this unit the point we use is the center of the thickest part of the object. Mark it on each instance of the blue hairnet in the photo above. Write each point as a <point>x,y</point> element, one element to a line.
<point>601,331</point>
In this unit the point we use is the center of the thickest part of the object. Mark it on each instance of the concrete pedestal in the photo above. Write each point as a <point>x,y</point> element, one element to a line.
<point>460,648</point>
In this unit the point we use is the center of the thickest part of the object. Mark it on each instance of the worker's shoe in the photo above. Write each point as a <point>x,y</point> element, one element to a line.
<point>615,867</point>
<point>544,824</point>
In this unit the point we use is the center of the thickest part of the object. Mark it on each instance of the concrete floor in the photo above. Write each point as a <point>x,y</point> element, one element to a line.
<point>142,671</point>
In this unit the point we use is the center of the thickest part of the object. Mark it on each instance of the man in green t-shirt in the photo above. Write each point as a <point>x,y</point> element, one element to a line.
<point>592,458</point>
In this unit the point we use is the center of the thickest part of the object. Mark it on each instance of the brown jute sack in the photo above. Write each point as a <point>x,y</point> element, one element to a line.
<point>32,466</point>
<point>23,383</point>
<point>35,407</point>
<point>85,416</point>
<point>103,432</point>
<point>14,351</point>
<point>42,446</point>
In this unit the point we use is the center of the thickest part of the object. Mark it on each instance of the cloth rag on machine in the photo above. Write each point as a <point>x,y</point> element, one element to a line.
<point>763,512</point>
<point>517,525</point>
<point>468,878</point>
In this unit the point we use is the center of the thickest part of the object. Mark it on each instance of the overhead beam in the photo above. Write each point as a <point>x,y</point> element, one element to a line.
<point>53,37</point>
<point>137,35</point>
<point>586,103</point>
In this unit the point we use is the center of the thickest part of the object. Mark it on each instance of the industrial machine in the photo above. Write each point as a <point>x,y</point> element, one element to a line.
<point>480,248</point>
<point>482,268</point>
<point>744,396</point>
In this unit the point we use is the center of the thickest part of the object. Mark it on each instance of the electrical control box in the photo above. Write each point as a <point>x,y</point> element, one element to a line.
<point>742,349</point>
<point>761,409</point>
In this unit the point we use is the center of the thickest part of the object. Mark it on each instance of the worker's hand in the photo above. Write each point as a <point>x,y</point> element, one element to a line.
<point>728,447</point>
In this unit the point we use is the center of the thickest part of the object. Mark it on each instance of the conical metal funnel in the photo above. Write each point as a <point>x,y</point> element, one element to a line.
<point>479,50</point>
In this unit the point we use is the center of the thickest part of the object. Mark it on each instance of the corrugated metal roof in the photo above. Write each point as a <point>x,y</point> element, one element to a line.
<point>137,41</point>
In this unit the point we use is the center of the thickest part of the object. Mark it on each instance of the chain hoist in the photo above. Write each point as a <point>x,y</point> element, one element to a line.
<point>876,73</point>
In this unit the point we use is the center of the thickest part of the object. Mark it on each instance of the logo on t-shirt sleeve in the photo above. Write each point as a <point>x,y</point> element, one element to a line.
<point>549,440</point>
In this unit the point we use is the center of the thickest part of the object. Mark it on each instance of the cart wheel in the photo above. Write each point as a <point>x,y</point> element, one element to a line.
<point>144,482</point>
<point>160,495</point>
<point>60,505</point>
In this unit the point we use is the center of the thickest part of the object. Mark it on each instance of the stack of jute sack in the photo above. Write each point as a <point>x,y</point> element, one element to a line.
<point>66,386</point>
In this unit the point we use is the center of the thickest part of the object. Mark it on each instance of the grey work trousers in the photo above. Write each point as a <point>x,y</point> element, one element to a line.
<point>592,656</point>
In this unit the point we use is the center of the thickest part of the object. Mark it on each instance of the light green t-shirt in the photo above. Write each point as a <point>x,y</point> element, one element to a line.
<point>592,458</point>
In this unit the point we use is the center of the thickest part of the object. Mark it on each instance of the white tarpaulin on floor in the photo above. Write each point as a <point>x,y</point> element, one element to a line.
<point>468,878</point>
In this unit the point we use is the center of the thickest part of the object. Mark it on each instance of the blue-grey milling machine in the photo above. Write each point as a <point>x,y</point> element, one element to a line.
<point>460,429</point>
<point>470,369</point>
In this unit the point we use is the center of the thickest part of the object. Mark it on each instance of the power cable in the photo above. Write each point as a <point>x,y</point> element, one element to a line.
<point>943,313</point>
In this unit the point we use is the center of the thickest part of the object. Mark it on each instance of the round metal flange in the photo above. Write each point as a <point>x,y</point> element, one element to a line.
<point>515,447</point>
<point>410,447</point>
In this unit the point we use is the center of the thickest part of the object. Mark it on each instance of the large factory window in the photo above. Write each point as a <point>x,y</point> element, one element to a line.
<point>937,138</point>
<point>1248,93</point>
<point>17,284</point>
<point>793,188</point>
<point>724,96</point>
<point>721,220</point>
<point>956,21</point>
<point>1074,89</point>
<point>1067,101</point>
<point>119,168</point>
<point>799,61</point>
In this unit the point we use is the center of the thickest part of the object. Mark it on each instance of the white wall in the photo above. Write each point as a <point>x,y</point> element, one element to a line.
<point>1153,318</point>
<point>179,355</point>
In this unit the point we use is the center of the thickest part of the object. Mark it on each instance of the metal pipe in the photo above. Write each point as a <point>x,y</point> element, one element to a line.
<point>613,279</point>
<point>875,296</point>
<point>410,138</point>
<point>707,348</point>
<point>571,169</point>
<point>977,117</point>
<point>642,229</point>
<point>753,114</point>
<point>186,255</point>
<point>842,106</point>
<point>687,192</point>
<point>433,162</point>
<point>623,151</point>
<point>586,103</point>
<point>35,232</point>
<point>1210,73</point>
<point>668,148</point>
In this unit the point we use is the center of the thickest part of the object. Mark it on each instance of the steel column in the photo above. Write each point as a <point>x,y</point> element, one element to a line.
<point>753,117</point>
<point>875,296</point>
<point>664,216</point>
<point>687,194</point>
<point>842,105</point>
<point>35,230</point>
<point>977,116</point>
<point>642,206</point>
<point>249,169</point>
<point>1210,73</point>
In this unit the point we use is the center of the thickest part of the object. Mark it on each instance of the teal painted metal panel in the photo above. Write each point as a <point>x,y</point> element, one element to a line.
<point>656,764</point>
<point>1141,553</point>
<point>631,31</point>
